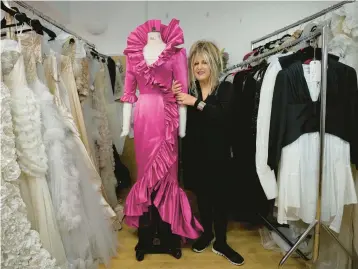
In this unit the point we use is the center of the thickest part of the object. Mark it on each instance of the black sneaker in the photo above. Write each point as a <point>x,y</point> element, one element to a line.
<point>203,243</point>
<point>226,251</point>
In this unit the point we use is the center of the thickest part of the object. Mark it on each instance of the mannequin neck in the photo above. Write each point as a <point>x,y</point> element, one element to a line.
<point>154,38</point>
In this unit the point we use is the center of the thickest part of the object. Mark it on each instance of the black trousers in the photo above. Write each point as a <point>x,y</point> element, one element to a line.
<point>213,209</point>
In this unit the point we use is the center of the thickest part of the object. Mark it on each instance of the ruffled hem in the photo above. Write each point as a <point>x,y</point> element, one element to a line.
<point>127,98</point>
<point>169,195</point>
<point>157,177</point>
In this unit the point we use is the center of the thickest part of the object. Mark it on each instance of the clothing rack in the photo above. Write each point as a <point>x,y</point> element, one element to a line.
<point>58,25</point>
<point>300,22</point>
<point>274,51</point>
<point>317,224</point>
<point>308,37</point>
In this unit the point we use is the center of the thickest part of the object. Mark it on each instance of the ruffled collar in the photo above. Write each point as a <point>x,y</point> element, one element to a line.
<point>172,35</point>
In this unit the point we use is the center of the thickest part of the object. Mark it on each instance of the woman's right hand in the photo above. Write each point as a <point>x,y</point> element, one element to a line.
<point>176,87</point>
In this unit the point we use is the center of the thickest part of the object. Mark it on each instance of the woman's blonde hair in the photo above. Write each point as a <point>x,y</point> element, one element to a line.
<point>212,55</point>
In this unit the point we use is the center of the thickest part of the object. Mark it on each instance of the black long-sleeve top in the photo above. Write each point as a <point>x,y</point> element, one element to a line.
<point>294,113</point>
<point>206,146</point>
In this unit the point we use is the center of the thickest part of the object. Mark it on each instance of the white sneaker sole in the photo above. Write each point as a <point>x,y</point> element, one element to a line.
<point>200,251</point>
<point>220,254</point>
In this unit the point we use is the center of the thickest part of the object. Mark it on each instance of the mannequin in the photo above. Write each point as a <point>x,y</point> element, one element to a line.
<point>156,204</point>
<point>151,52</point>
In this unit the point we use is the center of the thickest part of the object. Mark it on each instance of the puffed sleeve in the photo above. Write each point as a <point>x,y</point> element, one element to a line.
<point>180,69</point>
<point>222,110</point>
<point>278,120</point>
<point>130,85</point>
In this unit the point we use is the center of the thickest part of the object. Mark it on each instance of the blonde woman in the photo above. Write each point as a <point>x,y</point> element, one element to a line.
<point>206,146</point>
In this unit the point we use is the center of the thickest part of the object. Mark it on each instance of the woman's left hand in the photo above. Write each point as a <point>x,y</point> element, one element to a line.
<point>185,99</point>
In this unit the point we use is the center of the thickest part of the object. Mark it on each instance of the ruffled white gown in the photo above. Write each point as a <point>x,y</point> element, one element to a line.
<point>93,240</point>
<point>31,154</point>
<point>21,247</point>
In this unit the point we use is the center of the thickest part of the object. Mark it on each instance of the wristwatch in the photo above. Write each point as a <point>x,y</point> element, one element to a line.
<point>200,105</point>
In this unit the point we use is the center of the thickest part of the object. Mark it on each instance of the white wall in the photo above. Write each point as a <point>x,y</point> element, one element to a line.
<point>58,10</point>
<point>231,24</point>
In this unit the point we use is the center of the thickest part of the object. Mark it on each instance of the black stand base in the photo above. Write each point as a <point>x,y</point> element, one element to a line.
<point>155,237</point>
<point>140,253</point>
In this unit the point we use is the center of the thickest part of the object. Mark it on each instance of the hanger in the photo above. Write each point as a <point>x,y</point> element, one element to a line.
<point>284,38</point>
<point>154,30</point>
<point>34,27</point>
<point>22,18</point>
<point>4,25</point>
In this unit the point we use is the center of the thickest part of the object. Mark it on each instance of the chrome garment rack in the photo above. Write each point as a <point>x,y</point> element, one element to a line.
<point>317,223</point>
<point>322,31</point>
<point>306,38</point>
<point>57,24</point>
<point>274,51</point>
<point>300,22</point>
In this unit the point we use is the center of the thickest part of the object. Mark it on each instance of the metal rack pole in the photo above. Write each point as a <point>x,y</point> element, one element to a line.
<point>274,51</point>
<point>300,22</point>
<point>51,21</point>
<point>316,224</point>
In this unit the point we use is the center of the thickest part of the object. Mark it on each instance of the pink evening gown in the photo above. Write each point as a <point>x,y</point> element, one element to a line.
<point>156,122</point>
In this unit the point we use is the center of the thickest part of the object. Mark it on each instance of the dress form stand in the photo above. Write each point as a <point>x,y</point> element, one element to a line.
<point>155,235</point>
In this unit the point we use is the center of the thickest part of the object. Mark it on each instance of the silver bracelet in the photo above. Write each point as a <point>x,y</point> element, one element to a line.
<point>201,105</point>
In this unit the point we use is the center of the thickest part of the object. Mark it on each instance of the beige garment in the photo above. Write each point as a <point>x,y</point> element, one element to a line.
<point>104,143</point>
<point>58,88</point>
<point>81,72</point>
<point>67,75</point>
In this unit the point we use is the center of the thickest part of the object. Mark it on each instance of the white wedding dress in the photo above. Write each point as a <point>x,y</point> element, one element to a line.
<point>20,246</point>
<point>92,241</point>
<point>30,150</point>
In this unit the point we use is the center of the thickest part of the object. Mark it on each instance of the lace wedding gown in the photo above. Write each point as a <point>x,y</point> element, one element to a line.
<point>59,76</point>
<point>66,49</point>
<point>20,246</point>
<point>99,214</point>
<point>103,145</point>
<point>83,225</point>
<point>30,151</point>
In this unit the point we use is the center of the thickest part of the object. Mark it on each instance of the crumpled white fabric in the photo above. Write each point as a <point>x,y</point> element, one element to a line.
<point>345,20</point>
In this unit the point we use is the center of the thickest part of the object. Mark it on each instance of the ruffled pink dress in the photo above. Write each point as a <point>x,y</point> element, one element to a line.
<point>156,122</point>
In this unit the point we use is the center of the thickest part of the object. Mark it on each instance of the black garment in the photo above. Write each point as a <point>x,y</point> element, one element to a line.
<point>206,157</point>
<point>121,172</point>
<point>294,113</point>
<point>155,235</point>
<point>112,71</point>
<point>249,199</point>
<point>206,149</point>
<point>213,211</point>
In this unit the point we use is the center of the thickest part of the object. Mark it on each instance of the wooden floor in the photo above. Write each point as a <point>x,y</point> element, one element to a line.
<point>246,242</point>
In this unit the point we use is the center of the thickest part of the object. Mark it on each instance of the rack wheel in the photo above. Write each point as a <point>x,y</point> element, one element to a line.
<point>177,253</point>
<point>139,255</point>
